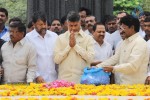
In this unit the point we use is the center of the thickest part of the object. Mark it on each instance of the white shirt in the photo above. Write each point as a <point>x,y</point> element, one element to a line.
<point>45,51</point>
<point>102,52</point>
<point>88,32</point>
<point>148,42</point>
<point>115,37</point>
<point>142,33</point>
<point>108,38</point>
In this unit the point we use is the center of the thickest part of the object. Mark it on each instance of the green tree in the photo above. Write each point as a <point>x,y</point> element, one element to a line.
<point>16,8</point>
<point>126,5</point>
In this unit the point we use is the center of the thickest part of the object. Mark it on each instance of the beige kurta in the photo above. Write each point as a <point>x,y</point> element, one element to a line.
<point>130,61</point>
<point>72,61</point>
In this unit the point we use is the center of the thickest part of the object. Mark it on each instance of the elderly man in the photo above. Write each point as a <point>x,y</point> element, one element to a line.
<point>73,50</point>
<point>132,56</point>
<point>19,57</point>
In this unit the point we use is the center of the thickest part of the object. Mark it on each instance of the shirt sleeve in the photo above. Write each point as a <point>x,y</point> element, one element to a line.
<point>112,60</point>
<point>59,53</point>
<point>138,56</point>
<point>88,53</point>
<point>31,73</point>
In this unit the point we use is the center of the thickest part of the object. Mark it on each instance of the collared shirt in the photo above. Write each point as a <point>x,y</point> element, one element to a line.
<point>148,42</point>
<point>115,38</point>
<point>130,60</point>
<point>5,34</point>
<point>72,61</point>
<point>45,50</point>
<point>19,62</point>
<point>142,33</point>
<point>102,52</point>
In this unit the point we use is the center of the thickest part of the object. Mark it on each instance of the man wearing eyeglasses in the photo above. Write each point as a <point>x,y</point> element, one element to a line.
<point>132,56</point>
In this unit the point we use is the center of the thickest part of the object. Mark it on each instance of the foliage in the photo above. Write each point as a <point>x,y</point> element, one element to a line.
<point>16,8</point>
<point>126,5</point>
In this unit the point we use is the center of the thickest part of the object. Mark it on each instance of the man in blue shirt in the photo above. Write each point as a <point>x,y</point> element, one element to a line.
<point>3,29</point>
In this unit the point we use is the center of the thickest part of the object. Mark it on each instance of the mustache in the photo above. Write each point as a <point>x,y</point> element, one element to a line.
<point>90,25</point>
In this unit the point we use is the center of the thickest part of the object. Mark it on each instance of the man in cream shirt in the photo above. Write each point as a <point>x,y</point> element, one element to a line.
<point>132,56</point>
<point>73,50</point>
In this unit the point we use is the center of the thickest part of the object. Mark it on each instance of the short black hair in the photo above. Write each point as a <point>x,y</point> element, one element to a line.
<point>88,11</point>
<point>5,11</point>
<point>63,19</point>
<point>110,18</point>
<point>73,16</point>
<point>54,20</point>
<point>129,20</point>
<point>30,24</point>
<point>15,19</point>
<point>147,19</point>
<point>95,25</point>
<point>20,26</point>
<point>39,15</point>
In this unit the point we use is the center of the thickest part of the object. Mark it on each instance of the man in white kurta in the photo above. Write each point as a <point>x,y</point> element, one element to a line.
<point>45,50</point>
<point>43,40</point>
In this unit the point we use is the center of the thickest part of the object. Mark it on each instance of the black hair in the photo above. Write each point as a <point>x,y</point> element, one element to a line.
<point>20,26</point>
<point>147,19</point>
<point>30,24</point>
<point>39,15</point>
<point>15,19</point>
<point>129,20</point>
<point>63,19</point>
<point>54,20</point>
<point>73,16</point>
<point>110,18</point>
<point>88,11</point>
<point>5,11</point>
<point>95,25</point>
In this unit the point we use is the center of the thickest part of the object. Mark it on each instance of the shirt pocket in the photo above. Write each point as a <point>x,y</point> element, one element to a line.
<point>21,60</point>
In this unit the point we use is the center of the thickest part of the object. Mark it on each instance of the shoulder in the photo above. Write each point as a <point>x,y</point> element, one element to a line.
<point>53,34</point>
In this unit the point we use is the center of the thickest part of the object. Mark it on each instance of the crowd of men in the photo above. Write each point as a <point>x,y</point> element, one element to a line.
<point>46,51</point>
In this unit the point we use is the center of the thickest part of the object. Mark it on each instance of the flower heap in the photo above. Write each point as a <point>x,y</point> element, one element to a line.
<point>71,90</point>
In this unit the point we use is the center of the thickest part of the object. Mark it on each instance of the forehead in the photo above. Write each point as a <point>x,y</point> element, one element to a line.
<point>73,23</point>
<point>13,29</point>
<point>2,13</point>
<point>121,15</point>
<point>147,23</point>
<point>56,21</point>
<point>90,18</point>
<point>82,13</point>
<point>40,21</point>
<point>100,27</point>
<point>112,21</point>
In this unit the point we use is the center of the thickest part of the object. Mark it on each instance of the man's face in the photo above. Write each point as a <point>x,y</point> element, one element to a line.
<point>56,26</point>
<point>127,32</point>
<point>141,19</point>
<point>74,26</point>
<point>3,18</point>
<point>147,28</point>
<point>99,33</point>
<point>119,16</point>
<point>112,26</point>
<point>15,35</point>
<point>90,21</point>
<point>40,26</point>
<point>82,17</point>
<point>122,33</point>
